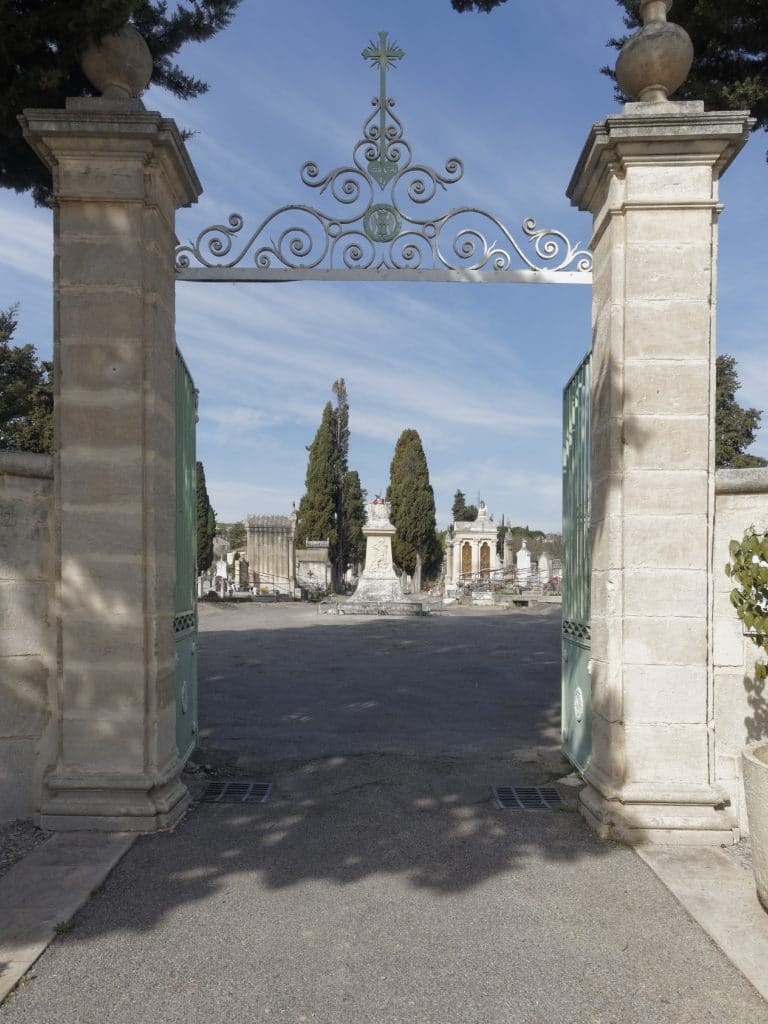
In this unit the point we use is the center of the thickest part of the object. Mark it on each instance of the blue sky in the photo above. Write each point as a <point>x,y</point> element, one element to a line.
<point>478,370</point>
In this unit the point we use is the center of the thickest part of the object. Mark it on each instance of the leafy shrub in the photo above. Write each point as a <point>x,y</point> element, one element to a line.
<point>749,568</point>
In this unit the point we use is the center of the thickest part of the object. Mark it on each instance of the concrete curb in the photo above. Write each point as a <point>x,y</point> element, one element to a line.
<point>45,889</point>
<point>720,896</point>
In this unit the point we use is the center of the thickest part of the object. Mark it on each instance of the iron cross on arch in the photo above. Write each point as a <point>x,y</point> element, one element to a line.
<point>378,222</point>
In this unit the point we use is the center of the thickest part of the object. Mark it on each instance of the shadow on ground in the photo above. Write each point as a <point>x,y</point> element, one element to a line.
<point>380,883</point>
<point>382,738</point>
<point>282,682</point>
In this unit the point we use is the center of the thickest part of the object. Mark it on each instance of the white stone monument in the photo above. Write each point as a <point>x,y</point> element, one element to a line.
<point>545,568</point>
<point>523,558</point>
<point>379,583</point>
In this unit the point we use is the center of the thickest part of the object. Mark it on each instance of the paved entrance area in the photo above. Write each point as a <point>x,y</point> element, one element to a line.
<point>380,885</point>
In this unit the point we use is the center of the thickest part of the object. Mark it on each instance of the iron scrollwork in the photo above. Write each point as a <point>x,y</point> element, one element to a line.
<point>380,221</point>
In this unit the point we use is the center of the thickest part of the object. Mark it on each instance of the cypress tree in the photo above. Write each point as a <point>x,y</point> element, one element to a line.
<point>340,468</point>
<point>459,507</point>
<point>501,533</point>
<point>317,509</point>
<point>353,503</point>
<point>206,522</point>
<point>461,511</point>
<point>415,546</point>
<point>333,506</point>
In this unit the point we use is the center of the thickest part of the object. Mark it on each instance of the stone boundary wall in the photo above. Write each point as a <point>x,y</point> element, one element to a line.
<point>27,646</point>
<point>740,706</point>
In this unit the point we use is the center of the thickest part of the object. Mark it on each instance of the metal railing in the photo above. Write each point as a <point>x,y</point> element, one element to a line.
<point>511,580</point>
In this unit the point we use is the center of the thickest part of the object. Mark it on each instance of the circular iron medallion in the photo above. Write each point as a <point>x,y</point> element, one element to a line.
<point>381,222</point>
<point>578,704</point>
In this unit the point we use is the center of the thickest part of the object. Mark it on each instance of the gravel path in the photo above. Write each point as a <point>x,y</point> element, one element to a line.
<point>17,839</point>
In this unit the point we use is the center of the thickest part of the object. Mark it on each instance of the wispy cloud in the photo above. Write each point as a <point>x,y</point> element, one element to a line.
<point>286,345</point>
<point>478,371</point>
<point>26,242</point>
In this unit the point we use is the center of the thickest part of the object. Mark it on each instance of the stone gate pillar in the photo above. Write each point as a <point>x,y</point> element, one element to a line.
<point>650,178</point>
<point>119,174</point>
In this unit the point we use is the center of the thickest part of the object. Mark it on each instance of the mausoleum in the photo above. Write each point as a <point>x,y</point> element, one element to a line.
<point>472,548</point>
<point>270,552</point>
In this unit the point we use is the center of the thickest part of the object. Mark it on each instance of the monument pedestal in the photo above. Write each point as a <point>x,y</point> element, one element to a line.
<point>379,586</point>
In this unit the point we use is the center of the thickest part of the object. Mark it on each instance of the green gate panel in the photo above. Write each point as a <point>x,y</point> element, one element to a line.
<point>577,566</point>
<point>185,612</point>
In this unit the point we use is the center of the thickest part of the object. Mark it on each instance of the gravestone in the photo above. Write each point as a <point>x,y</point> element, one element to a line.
<point>523,557</point>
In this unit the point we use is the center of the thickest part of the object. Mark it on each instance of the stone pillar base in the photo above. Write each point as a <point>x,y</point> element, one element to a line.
<point>684,818</point>
<point>113,804</point>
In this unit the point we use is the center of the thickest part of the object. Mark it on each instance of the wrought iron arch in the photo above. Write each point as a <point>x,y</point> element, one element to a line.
<point>382,227</point>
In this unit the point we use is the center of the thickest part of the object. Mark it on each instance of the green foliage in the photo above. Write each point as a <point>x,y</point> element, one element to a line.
<point>206,522</point>
<point>749,568</point>
<point>341,426</point>
<point>333,506</point>
<point>415,546</point>
<point>730,41</point>
<point>501,533</point>
<point>40,47</point>
<point>475,5</point>
<point>735,427</point>
<point>461,511</point>
<point>26,393</point>
<point>525,533</point>
<point>353,505</point>
<point>535,539</point>
<point>236,536</point>
<point>459,506</point>
<point>340,467</point>
<point>317,509</point>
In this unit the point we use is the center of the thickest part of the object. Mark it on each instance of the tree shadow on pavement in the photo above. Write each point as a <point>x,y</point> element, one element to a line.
<point>380,882</point>
<point>395,775</point>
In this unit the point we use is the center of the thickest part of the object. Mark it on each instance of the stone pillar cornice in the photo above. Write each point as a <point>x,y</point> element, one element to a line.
<point>104,131</point>
<point>657,133</point>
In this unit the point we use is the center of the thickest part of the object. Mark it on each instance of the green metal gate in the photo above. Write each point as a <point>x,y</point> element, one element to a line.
<point>185,617</point>
<point>577,565</point>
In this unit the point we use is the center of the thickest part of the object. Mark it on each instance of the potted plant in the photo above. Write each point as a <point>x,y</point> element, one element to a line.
<point>749,569</point>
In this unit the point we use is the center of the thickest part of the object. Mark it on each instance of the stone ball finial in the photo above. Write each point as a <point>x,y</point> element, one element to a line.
<point>655,61</point>
<point>120,65</point>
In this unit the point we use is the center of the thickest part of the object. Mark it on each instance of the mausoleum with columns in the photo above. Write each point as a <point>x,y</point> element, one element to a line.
<point>270,551</point>
<point>470,548</point>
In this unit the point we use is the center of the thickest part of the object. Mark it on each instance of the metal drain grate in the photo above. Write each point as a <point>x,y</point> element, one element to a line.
<point>527,798</point>
<point>240,792</point>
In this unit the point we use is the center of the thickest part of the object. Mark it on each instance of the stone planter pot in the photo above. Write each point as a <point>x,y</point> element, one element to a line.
<point>755,763</point>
